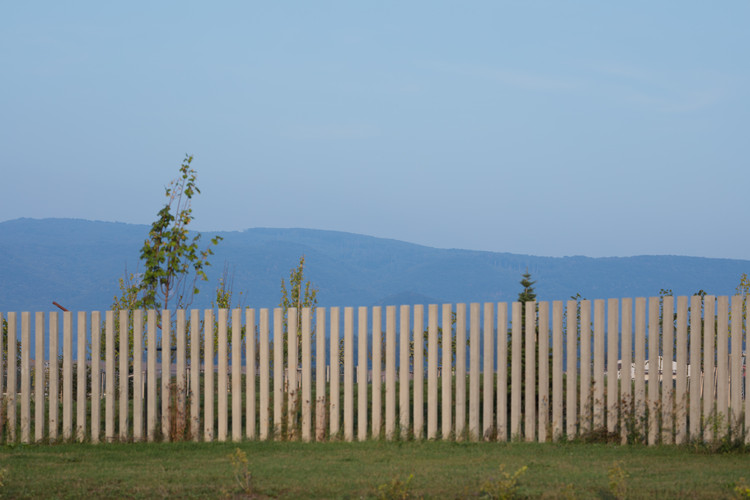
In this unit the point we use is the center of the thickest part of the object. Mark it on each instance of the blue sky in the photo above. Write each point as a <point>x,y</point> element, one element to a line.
<point>547,128</point>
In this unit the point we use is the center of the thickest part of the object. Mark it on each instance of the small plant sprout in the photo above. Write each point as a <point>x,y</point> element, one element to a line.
<point>241,470</point>
<point>396,489</point>
<point>618,481</point>
<point>505,487</point>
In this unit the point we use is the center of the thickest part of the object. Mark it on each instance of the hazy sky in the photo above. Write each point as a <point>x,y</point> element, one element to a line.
<point>550,128</point>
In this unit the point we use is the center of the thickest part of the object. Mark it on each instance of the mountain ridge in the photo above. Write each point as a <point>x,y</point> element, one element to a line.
<point>77,263</point>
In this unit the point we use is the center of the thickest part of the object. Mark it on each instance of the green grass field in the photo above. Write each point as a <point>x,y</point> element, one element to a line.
<point>356,470</point>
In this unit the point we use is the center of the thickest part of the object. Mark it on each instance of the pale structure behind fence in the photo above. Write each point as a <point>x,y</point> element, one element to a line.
<point>539,372</point>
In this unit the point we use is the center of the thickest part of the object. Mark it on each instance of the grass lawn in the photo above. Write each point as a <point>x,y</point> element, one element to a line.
<point>355,470</point>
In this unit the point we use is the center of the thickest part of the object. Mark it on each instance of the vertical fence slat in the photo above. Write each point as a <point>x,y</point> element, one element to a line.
<point>221,375</point>
<point>292,342</point>
<point>653,369</point>
<point>432,370</point>
<point>640,364</point>
<point>320,374</point>
<point>306,432</point>
<point>137,375</point>
<point>151,413</point>
<point>694,367</point>
<point>96,343</point>
<point>488,367</point>
<point>530,347</point>
<point>557,369</point>
<point>236,374</point>
<point>81,378</point>
<point>722,369</point>
<point>709,389</point>
<point>571,368</point>
<point>681,399</point>
<point>348,373</point>
<point>67,377</point>
<point>335,361</point>
<point>54,380</point>
<point>447,380</point>
<point>195,372</point>
<point>390,372</point>
<point>180,382</point>
<point>278,370</point>
<point>474,345</point>
<point>515,377</point>
<point>250,370</point>
<point>166,373</point>
<point>735,396</point>
<point>306,398</point>
<point>585,389</point>
<point>38,377</point>
<point>599,343</point>
<point>418,371</point>
<point>123,373</point>
<point>264,367</point>
<point>544,400</point>
<point>460,371</point>
<point>626,376</point>
<point>4,366</point>
<point>208,375</point>
<point>502,371</point>
<point>403,372</point>
<point>377,371</point>
<point>613,340</point>
<point>26,376</point>
<point>667,389</point>
<point>361,374</point>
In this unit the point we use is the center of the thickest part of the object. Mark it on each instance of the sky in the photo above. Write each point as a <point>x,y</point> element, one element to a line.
<point>541,127</point>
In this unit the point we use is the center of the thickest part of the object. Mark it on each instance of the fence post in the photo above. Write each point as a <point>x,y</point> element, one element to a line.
<point>292,365</point>
<point>585,389</point>
<point>320,375</point>
<point>474,345</point>
<point>334,389</point>
<point>124,355</point>
<point>221,375</point>
<point>403,377</point>
<point>180,380</point>
<point>418,409</point>
<point>38,377</point>
<point>278,370</point>
<point>694,373</point>
<point>626,377</point>
<point>54,375</point>
<point>530,375</point>
<point>735,399</point>
<point>515,376</point>
<point>361,375</point>
<point>137,375</point>
<point>348,373</point>
<point>557,372</point>
<point>96,343</point>
<point>67,376</point>
<point>502,370</point>
<point>166,374</point>
<point>653,369</point>
<point>377,371</point>
<point>571,368</point>
<point>722,372</point>
<point>432,365</point>
<point>488,367</point>
<point>613,342</point>
<point>264,366</point>
<point>681,393</point>
<point>25,376</point>
<point>208,375</point>
<point>390,371</point>
<point>151,376</point>
<point>307,375</point>
<point>447,407</point>
<point>195,374</point>
<point>81,375</point>
<point>599,342</point>
<point>544,382</point>
<point>667,415</point>
<point>250,367</point>
<point>460,371</point>
<point>236,375</point>
<point>709,389</point>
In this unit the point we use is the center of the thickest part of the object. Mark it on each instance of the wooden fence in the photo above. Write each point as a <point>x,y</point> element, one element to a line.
<point>656,370</point>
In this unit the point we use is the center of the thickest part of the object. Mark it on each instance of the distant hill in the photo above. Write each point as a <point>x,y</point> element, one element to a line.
<point>77,263</point>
